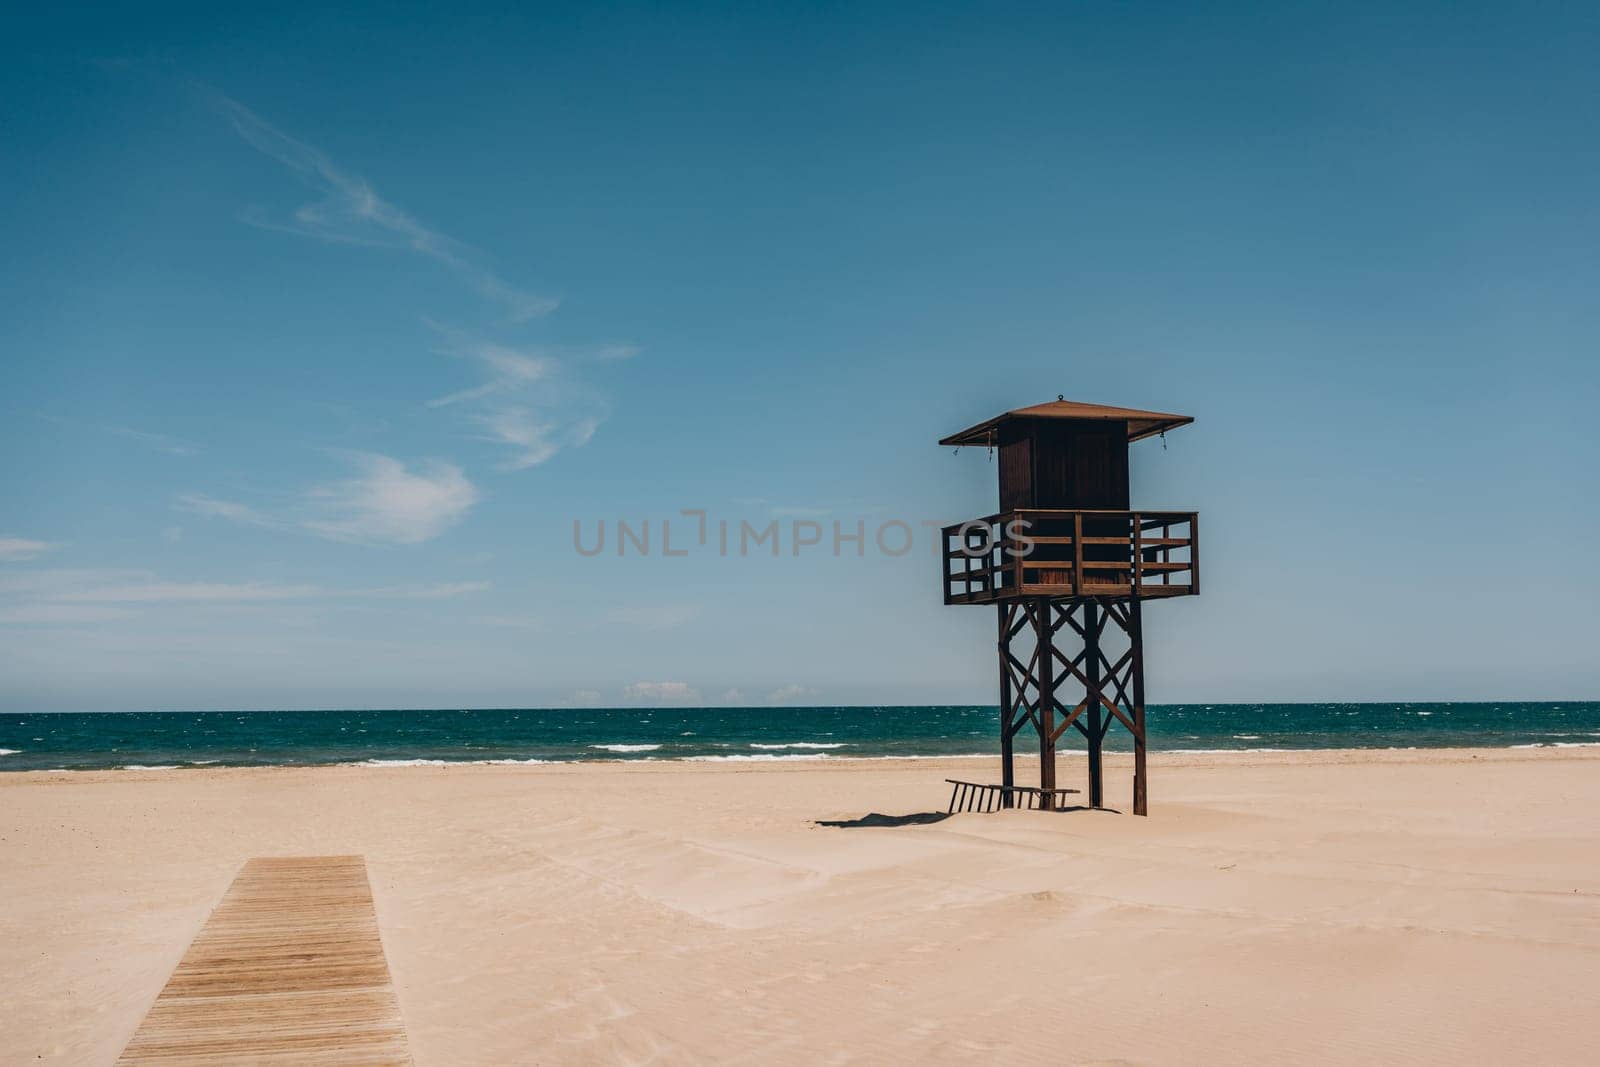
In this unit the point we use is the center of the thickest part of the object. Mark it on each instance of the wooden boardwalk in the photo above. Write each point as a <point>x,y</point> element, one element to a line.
<point>288,969</point>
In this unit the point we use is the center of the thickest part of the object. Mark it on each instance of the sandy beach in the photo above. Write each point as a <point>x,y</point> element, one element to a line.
<point>1341,907</point>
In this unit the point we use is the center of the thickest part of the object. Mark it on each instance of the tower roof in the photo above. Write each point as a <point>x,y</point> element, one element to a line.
<point>1140,423</point>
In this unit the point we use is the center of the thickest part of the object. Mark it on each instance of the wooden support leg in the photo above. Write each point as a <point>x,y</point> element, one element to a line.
<point>1141,799</point>
<point>1042,626</point>
<point>1091,660</point>
<point>1008,771</point>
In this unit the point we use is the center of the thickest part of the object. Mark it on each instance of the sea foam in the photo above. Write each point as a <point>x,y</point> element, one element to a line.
<point>802,744</point>
<point>405,763</point>
<point>1560,744</point>
<point>764,757</point>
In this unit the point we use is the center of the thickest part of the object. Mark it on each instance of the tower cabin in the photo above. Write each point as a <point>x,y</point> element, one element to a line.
<point>1069,564</point>
<point>1064,527</point>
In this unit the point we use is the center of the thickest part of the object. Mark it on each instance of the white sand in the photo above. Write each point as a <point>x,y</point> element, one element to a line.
<point>1438,907</point>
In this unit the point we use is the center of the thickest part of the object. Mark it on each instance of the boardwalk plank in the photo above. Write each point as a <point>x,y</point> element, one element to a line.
<point>288,969</point>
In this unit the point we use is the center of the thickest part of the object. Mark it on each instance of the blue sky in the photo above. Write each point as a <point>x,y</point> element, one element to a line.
<point>322,329</point>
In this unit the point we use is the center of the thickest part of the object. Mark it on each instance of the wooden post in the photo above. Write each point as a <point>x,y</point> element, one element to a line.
<point>1138,553</point>
<point>1091,663</point>
<point>1194,553</point>
<point>1008,771</point>
<point>1141,799</point>
<point>1077,553</point>
<point>1047,701</point>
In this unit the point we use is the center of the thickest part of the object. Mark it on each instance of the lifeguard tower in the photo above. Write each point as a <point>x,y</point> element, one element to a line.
<point>1069,566</point>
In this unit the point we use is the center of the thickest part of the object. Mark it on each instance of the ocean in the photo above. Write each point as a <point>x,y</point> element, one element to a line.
<point>169,739</point>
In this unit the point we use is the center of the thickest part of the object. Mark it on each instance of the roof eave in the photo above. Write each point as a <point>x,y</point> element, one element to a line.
<point>1159,426</point>
<point>981,433</point>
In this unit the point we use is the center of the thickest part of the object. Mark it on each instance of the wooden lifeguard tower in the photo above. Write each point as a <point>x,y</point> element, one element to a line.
<point>1069,566</point>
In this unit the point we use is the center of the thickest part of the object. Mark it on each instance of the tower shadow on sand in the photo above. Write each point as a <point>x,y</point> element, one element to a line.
<point>877,820</point>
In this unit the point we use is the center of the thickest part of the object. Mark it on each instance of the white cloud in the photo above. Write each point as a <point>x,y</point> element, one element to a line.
<point>161,442</point>
<point>524,400</point>
<point>18,549</point>
<point>732,696</point>
<point>662,692</point>
<point>172,534</point>
<point>67,613</point>
<point>349,211</point>
<point>429,592</point>
<point>587,697</point>
<point>510,622</point>
<point>506,369</point>
<point>48,581</point>
<point>157,592</point>
<point>84,596</point>
<point>654,617</point>
<point>583,430</point>
<point>527,400</point>
<point>211,507</point>
<point>534,440</point>
<point>387,503</point>
<point>789,694</point>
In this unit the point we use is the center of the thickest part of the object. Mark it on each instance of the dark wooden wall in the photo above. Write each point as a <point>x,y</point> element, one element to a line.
<point>1061,463</point>
<point>1016,473</point>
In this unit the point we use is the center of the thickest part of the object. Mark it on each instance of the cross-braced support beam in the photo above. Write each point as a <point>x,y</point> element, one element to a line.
<point>1038,667</point>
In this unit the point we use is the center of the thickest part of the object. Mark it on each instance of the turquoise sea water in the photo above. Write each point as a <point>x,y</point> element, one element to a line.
<point>176,739</point>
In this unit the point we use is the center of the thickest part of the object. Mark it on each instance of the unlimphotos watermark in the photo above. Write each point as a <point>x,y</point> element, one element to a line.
<point>699,533</point>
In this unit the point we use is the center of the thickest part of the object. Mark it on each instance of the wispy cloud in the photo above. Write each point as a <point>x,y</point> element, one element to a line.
<point>161,442</point>
<point>166,592</point>
<point>437,591</point>
<point>662,692</point>
<point>505,369</point>
<point>389,503</point>
<point>654,617</point>
<point>85,596</point>
<point>61,613</point>
<point>44,582</point>
<point>212,508</point>
<point>18,549</point>
<point>385,503</point>
<point>533,440</point>
<point>510,622</point>
<point>158,441</point>
<point>526,399</point>
<point>159,592</point>
<point>789,694</point>
<point>523,399</point>
<point>349,211</point>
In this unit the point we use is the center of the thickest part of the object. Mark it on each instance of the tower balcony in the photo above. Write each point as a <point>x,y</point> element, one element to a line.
<point>1030,552</point>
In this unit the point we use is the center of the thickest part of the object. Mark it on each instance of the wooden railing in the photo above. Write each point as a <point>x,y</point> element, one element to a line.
<point>975,796</point>
<point>1041,552</point>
